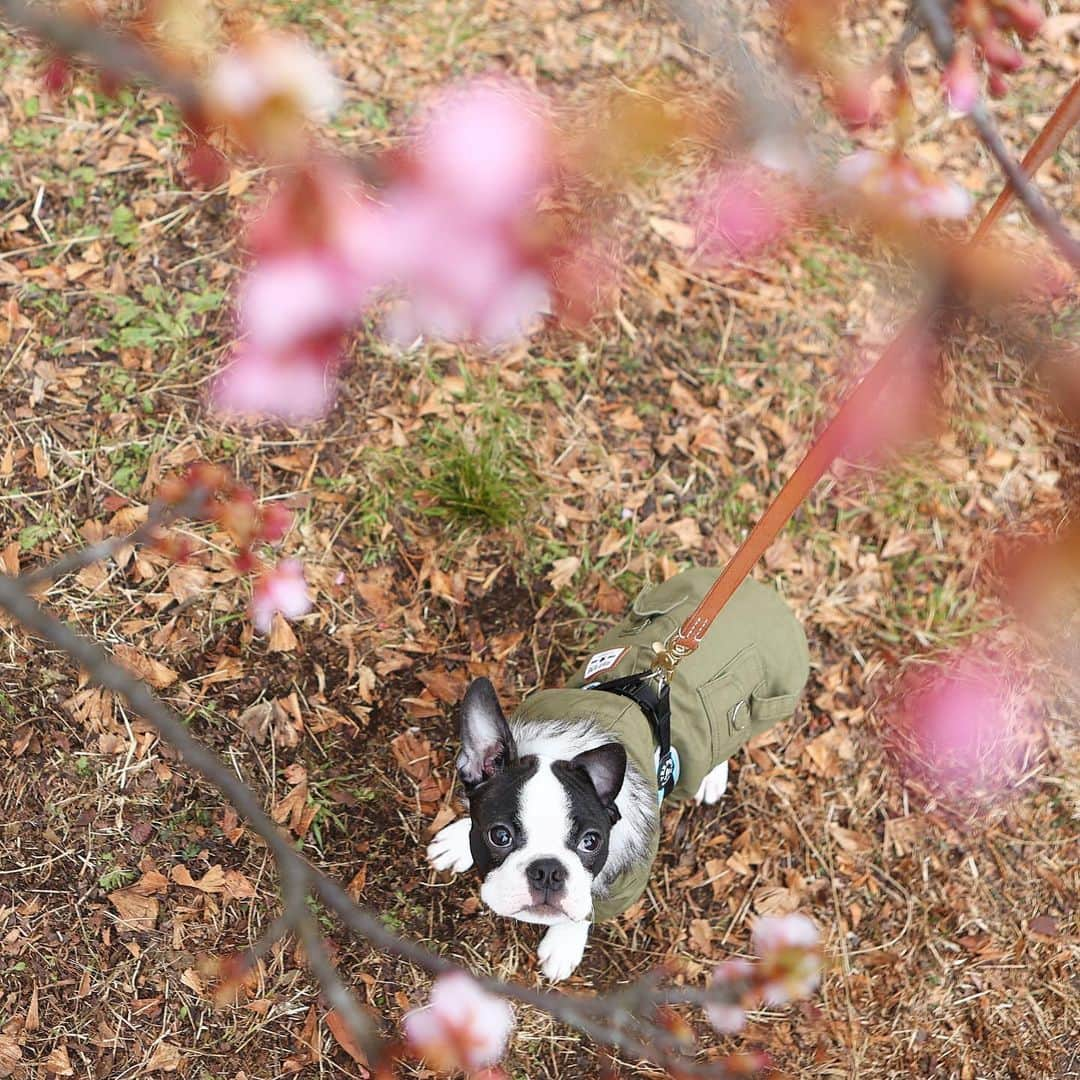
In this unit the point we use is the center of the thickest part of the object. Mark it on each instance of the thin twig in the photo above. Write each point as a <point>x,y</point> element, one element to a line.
<point>606,1020</point>
<point>944,41</point>
<point>116,53</point>
<point>160,513</point>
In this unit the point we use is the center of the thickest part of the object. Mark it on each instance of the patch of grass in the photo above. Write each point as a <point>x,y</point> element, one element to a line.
<point>477,478</point>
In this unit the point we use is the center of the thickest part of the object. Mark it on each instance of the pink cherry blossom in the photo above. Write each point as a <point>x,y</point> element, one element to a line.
<point>281,589</point>
<point>728,1017</point>
<point>485,148</point>
<point>258,385</point>
<point>742,210</point>
<point>896,184</point>
<point>286,301</point>
<point>271,69</point>
<point>967,718</point>
<point>791,947</point>
<point>961,80</point>
<point>462,1027</point>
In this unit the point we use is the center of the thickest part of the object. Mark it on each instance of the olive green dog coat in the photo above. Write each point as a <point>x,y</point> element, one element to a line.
<point>745,676</point>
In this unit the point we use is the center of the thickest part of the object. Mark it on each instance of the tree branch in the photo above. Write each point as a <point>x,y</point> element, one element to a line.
<point>620,1021</point>
<point>944,41</point>
<point>116,53</point>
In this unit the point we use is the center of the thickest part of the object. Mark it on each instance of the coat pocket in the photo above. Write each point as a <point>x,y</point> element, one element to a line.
<point>738,706</point>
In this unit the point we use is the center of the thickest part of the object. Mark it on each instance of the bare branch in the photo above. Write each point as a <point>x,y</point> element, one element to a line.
<point>620,1022</point>
<point>115,53</point>
<point>160,513</point>
<point>944,42</point>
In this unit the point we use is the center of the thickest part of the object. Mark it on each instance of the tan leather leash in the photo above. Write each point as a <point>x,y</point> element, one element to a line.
<point>829,444</point>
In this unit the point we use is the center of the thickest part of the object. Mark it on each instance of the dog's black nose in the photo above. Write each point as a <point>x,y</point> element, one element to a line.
<point>546,875</point>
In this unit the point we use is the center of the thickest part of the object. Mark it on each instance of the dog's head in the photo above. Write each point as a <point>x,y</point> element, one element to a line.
<point>540,826</point>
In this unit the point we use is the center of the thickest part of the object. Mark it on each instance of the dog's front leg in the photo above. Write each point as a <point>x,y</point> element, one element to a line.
<point>562,948</point>
<point>450,849</point>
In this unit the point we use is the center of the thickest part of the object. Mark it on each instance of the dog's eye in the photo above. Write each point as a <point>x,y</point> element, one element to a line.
<point>590,841</point>
<point>500,836</point>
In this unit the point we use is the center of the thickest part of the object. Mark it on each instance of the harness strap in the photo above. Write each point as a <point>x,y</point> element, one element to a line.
<point>653,697</point>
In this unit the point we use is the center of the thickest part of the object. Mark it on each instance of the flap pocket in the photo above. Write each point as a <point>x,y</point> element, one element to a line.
<point>728,701</point>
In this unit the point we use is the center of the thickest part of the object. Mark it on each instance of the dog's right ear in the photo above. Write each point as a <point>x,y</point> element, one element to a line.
<point>486,743</point>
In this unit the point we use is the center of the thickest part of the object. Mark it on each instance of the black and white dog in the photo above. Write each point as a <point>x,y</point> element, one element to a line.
<point>557,813</point>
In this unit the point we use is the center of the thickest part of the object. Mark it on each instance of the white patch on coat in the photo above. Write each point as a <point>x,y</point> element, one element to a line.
<point>544,813</point>
<point>602,661</point>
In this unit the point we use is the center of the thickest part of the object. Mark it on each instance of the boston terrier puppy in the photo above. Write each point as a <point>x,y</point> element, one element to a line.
<point>564,797</point>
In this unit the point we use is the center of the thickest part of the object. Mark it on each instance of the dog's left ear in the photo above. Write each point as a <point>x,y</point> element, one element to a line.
<point>606,768</point>
<point>487,745</point>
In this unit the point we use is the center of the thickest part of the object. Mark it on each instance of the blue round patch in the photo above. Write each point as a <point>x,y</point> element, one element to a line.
<point>670,769</point>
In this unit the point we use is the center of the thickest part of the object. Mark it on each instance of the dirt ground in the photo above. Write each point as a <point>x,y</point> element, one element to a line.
<point>596,461</point>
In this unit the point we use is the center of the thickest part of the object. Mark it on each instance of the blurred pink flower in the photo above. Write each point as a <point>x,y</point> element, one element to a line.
<point>902,413</point>
<point>269,71</point>
<point>964,719</point>
<point>791,947</point>
<point>281,589</point>
<point>485,148</point>
<point>741,210</point>
<point>258,384</point>
<point>961,79</point>
<point>286,301</point>
<point>896,184</point>
<point>463,1026</point>
<point>729,1017</point>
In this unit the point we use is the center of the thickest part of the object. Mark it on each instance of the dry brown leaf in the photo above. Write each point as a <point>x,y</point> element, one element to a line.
<point>701,936</point>
<point>776,900</point>
<point>157,674</point>
<point>563,571</point>
<point>677,233</point>
<point>413,753</point>
<point>152,882</point>
<point>33,1014</point>
<point>849,839</point>
<point>282,638</point>
<point>237,886</point>
<point>165,1058</point>
<point>136,912</point>
<point>447,686</point>
<point>347,1041</point>
<point>58,1063</point>
<point>10,1055</point>
<point>213,881</point>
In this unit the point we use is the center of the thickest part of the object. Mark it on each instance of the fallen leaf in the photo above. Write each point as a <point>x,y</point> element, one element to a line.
<point>701,936</point>
<point>346,1040</point>
<point>157,674</point>
<point>58,1063</point>
<point>677,233</point>
<point>213,881</point>
<point>136,912</point>
<point>10,1055</point>
<point>33,1015</point>
<point>1045,925</point>
<point>563,571</point>
<point>282,638</point>
<point>165,1058</point>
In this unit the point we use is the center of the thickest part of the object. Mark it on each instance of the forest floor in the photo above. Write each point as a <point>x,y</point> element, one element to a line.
<point>462,515</point>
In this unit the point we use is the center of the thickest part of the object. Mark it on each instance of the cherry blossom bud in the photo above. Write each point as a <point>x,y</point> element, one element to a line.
<point>997,85</point>
<point>729,1017</point>
<point>274,523</point>
<point>854,98</point>
<point>463,1026</point>
<point>791,947</point>
<point>961,80</point>
<point>998,52</point>
<point>57,75</point>
<point>1025,16</point>
<point>281,590</point>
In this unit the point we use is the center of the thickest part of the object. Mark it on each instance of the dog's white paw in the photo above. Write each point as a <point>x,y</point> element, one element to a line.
<point>450,849</point>
<point>713,786</point>
<point>562,948</point>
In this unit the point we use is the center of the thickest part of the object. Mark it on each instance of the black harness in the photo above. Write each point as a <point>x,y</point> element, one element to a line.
<point>655,703</point>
